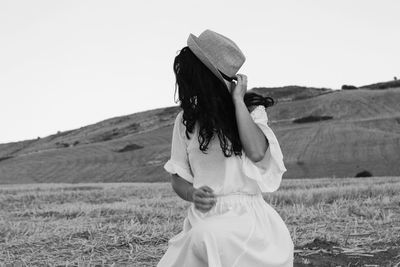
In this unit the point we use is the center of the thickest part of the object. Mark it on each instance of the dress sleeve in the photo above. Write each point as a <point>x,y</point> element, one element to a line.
<point>267,172</point>
<point>179,162</point>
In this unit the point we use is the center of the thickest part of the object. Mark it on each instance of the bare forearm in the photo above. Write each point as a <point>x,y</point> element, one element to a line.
<point>252,138</point>
<point>182,187</point>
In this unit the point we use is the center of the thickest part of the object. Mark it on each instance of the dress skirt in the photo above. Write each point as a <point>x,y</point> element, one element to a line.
<point>241,230</point>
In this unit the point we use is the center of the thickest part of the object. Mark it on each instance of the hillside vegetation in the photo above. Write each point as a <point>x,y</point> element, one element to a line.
<point>361,134</point>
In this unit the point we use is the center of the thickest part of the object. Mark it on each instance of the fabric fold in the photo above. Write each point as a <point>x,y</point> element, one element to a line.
<point>267,172</point>
<point>179,161</point>
<point>174,168</point>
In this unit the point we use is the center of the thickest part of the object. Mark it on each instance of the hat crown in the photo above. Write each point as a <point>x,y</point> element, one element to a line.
<point>222,51</point>
<point>217,52</point>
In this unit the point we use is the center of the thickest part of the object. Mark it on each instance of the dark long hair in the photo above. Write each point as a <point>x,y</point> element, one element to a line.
<point>204,98</point>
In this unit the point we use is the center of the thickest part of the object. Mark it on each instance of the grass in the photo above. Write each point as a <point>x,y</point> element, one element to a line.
<point>131,223</point>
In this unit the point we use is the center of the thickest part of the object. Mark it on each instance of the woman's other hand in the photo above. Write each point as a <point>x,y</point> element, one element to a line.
<point>239,89</point>
<point>203,198</point>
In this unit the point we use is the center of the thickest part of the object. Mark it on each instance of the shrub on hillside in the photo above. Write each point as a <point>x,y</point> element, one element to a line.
<point>105,136</point>
<point>383,85</point>
<point>62,144</point>
<point>133,126</point>
<point>5,157</point>
<point>364,174</point>
<point>312,118</point>
<point>348,87</point>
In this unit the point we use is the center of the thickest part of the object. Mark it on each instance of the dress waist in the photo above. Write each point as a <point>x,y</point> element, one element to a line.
<point>239,197</point>
<point>234,200</point>
<point>237,193</point>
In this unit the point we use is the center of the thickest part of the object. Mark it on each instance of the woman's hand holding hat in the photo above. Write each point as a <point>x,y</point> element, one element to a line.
<point>239,89</point>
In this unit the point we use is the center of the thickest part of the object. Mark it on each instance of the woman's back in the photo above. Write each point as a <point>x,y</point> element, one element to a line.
<point>223,174</point>
<point>222,164</point>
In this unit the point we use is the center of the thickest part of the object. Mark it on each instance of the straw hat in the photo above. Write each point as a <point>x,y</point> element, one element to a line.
<point>217,52</point>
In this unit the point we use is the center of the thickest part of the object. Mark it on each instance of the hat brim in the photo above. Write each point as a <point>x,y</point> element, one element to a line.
<point>193,45</point>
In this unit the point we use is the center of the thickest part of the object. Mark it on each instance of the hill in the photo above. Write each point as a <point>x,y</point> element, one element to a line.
<point>291,93</point>
<point>361,132</point>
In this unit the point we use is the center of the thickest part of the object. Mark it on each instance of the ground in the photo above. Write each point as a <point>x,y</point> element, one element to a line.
<point>333,222</point>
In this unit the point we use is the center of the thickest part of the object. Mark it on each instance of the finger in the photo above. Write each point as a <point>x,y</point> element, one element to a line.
<point>200,192</point>
<point>200,206</point>
<point>242,76</point>
<point>244,81</point>
<point>208,192</point>
<point>203,207</point>
<point>211,195</point>
<point>197,198</point>
<point>206,201</point>
<point>203,199</point>
<point>208,189</point>
<point>241,79</point>
<point>203,210</point>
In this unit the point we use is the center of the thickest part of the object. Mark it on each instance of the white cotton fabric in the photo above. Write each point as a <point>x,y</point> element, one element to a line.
<point>241,229</point>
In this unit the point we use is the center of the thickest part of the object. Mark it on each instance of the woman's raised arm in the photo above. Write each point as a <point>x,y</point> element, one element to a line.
<point>251,136</point>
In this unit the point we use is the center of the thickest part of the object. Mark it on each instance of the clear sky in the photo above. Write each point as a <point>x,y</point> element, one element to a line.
<point>67,64</point>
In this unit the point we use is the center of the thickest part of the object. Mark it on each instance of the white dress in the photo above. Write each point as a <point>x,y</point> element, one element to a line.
<point>242,229</point>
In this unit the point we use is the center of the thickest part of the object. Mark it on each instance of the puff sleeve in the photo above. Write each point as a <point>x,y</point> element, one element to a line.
<point>267,172</point>
<point>179,162</point>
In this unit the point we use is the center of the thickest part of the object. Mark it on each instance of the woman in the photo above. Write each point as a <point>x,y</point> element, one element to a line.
<point>223,156</point>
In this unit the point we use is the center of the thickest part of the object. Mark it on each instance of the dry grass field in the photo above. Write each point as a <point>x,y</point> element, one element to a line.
<point>333,222</point>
